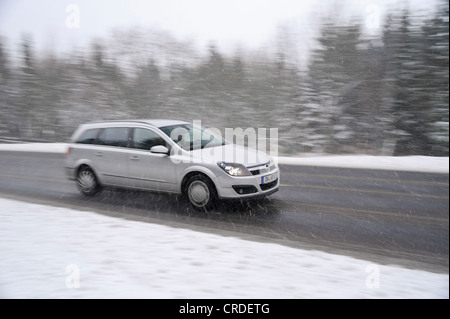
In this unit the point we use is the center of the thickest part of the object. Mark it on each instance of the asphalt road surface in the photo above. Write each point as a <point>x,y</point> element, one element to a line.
<point>389,217</point>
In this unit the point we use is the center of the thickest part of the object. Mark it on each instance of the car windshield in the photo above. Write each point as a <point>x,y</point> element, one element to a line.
<point>190,137</point>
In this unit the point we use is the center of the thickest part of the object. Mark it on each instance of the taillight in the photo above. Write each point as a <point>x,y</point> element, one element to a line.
<point>69,149</point>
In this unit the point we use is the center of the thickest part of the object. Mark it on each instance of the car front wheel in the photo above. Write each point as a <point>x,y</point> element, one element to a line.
<point>200,192</point>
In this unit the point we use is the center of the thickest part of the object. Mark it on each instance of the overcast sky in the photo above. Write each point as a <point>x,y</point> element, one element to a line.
<point>56,24</point>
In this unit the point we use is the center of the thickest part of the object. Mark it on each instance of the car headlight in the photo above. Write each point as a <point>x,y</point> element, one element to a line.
<point>234,169</point>
<point>273,163</point>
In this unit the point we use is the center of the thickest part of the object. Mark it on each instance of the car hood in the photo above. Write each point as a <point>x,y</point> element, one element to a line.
<point>231,153</point>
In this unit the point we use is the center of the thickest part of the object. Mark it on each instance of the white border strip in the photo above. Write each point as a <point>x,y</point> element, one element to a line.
<point>426,164</point>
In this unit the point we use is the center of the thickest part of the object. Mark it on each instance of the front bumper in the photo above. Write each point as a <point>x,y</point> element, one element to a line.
<point>247,186</point>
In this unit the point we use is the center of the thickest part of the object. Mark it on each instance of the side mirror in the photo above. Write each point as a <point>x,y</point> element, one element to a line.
<point>159,149</point>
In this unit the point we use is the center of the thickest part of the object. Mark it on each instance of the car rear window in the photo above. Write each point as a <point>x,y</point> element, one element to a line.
<point>114,136</point>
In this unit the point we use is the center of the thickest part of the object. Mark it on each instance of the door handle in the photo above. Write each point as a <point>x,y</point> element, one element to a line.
<point>98,154</point>
<point>134,158</point>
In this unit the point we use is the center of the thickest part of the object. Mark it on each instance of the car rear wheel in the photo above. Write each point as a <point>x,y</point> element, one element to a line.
<point>200,192</point>
<point>87,181</point>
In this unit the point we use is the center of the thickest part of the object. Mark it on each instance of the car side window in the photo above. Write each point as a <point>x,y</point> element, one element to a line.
<point>114,136</point>
<point>145,139</point>
<point>88,137</point>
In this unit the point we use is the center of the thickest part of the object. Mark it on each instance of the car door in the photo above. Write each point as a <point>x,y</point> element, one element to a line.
<point>149,170</point>
<point>110,155</point>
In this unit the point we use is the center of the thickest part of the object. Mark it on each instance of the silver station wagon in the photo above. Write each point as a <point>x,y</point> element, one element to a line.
<point>168,156</point>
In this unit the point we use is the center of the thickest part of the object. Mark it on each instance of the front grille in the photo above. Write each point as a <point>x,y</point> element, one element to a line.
<point>260,169</point>
<point>270,185</point>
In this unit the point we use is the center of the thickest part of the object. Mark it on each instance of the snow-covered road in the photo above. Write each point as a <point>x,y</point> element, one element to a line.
<point>54,252</point>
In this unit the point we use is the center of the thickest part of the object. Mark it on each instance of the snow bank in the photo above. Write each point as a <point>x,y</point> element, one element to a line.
<point>51,252</point>
<point>35,147</point>
<point>401,163</point>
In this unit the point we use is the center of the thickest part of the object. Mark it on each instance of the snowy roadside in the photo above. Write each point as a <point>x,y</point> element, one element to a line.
<point>35,147</point>
<point>53,252</point>
<point>425,164</point>
<point>401,163</point>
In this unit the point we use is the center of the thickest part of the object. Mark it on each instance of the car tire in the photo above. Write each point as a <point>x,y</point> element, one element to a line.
<point>87,182</point>
<point>200,192</point>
